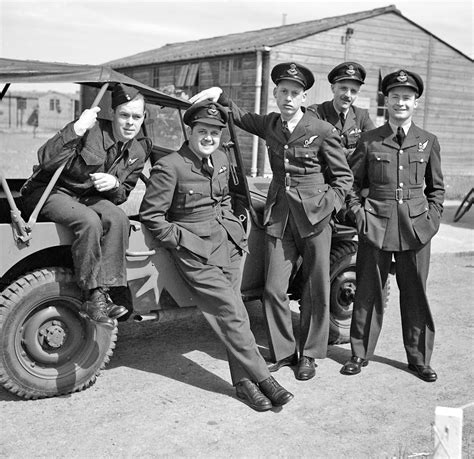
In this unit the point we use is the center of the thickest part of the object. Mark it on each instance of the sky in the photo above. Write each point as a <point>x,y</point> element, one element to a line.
<point>97,31</point>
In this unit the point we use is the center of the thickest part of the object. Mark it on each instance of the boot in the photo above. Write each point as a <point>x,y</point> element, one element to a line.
<point>114,311</point>
<point>95,308</point>
<point>276,393</point>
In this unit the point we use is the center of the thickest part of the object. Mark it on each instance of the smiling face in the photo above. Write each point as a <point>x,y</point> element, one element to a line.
<point>128,119</point>
<point>204,139</point>
<point>345,93</point>
<point>401,103</point>
<point>289,98</point>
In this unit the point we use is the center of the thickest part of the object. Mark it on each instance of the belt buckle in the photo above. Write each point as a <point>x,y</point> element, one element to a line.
<point>399,195</point>
<point>287,182</point>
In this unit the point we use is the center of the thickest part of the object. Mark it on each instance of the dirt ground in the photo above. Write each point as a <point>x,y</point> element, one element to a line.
<point>167,393</point>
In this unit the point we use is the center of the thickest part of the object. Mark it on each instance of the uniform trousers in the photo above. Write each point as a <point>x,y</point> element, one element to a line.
<point>100,236</point>
<point>282,256</point>
<point>217,294</point>
<point>372,269</point>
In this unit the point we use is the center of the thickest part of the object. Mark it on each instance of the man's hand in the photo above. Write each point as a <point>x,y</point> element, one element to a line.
<point>86,121</point>
<point>104,182</point>
<point>208,94</point>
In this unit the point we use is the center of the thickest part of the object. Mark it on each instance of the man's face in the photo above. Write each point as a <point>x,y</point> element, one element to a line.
<point>128,119</point>
<point>401,103</point>
<point>289,97</point>
<point>345,93</point>
<point>204,139</point>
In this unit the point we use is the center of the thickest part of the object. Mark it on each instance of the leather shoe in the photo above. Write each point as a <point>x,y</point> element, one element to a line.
<point>277,394</point>
<point>354,366</point>
<point>289,361</point>
<point>95,309</point>
<point>424,372</point>
<point>249,393</point>
<point>306,368</point>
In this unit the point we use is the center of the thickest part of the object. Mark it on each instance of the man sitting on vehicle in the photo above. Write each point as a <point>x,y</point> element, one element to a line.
<point>104,160</point>
<point>187,209</point>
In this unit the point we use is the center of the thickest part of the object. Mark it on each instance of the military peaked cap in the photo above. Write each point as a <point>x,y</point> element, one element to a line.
<point>347,71</point>
<point>121,94</point>
<point>293,72</point>
<point>206,112</point>
<point>402,78</point>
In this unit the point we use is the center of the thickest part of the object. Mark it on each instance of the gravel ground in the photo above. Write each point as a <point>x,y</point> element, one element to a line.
<point>167,393</point>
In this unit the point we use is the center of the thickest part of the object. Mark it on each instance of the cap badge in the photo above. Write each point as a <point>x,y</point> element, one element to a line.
<point>212,110</point>
<point>292,70</point>
<point>350,70</point>
<point>402,77</point>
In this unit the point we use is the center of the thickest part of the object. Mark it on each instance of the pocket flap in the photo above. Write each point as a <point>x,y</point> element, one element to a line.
<point>380,156</point>
<point>191,188</point>
<point>92,158</point>
<point>305,153</point>
<point>379,208</point>
<point>417,157</point>
<point>315,192</point>
<point>417,207</point>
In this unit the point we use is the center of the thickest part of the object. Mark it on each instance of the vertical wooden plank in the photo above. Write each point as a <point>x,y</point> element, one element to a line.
<point>448,433</point>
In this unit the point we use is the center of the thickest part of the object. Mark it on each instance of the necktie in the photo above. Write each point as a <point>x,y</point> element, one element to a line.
<point>342,118</point>
<point>400,135</point>
<point>206,166</point>
<point>286,130</point>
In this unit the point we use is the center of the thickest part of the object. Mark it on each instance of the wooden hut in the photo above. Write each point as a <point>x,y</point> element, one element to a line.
<point>381,39</point>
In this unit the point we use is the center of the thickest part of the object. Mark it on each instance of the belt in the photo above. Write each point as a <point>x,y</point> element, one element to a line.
<point>288,180</point>
<point>399,194</point>
<point>196,216</point>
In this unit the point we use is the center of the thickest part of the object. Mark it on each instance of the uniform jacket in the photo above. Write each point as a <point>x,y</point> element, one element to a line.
<point>406,192</point>
<point>95,151</point>
<point>357,121</point>
<point>184,208</point>
<point>298,184</point>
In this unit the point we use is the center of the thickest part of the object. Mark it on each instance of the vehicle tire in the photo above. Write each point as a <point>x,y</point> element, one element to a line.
<point>46,347</point>
<point>343,288</point>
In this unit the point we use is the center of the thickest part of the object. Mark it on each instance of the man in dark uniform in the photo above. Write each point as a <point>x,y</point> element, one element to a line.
<point>400,165</point>
<point>298,211</point>
<point>349,120</point>
<point>103,163</point>
<point>187,209</point>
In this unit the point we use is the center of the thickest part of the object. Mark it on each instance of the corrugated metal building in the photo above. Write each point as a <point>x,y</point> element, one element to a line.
<point>382,39</point>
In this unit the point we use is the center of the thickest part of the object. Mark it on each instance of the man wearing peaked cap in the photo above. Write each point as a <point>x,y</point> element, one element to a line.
<point>400,164</point>
<point>206,112</point>
<point>300,204</point>
<point>104,160</point>
<point>350,121</point>
<point>293,72</point>
<point>402,78</point>
<point>187,208</point>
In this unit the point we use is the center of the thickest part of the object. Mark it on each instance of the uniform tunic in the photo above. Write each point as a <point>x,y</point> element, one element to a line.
<point>100,227</point>
<point>300,203</point>
<point>190,213</point>
<point>399,217</point>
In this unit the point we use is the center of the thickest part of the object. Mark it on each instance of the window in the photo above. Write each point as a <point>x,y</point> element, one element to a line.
<point>156,77</point>
<point>187,78</point>
<point>230,76</point>
<point>51,105</point>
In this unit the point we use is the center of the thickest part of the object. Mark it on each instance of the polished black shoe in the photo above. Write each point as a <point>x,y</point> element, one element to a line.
<point>354,366</point>
<point>289,361</point>
<point>424,372</point>
<point>114,311</point>
<point>95,308</point>
<point>276,393</point>
<point>249,393</point>
<point>306,368</point>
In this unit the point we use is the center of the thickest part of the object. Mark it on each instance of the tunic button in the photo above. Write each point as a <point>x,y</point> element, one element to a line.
<point>306,156</point>
<point>287,188</point>
<point>421,160</point>
<point>191,191</point>
<point>401,183</point>
<point>287,160</point>
<point>400,151</point>
<point>287,174</point>
<point>400,167</point>
<point>378,158</point>
<point>286,147</point>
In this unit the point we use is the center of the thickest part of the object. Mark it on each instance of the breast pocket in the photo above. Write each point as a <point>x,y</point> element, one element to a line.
<point>190,194</point>
<point>418,160</point>
<point>306,156</point>
<point>379,166</point>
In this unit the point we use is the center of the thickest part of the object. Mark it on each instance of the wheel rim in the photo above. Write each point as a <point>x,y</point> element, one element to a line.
<point>343,289</point>
<point>52,339</point>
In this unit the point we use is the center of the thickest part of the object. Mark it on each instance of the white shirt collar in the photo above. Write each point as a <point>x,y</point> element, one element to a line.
<point>295,120</point>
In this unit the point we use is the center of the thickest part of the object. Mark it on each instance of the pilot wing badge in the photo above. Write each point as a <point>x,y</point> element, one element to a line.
<point>309,141</point>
